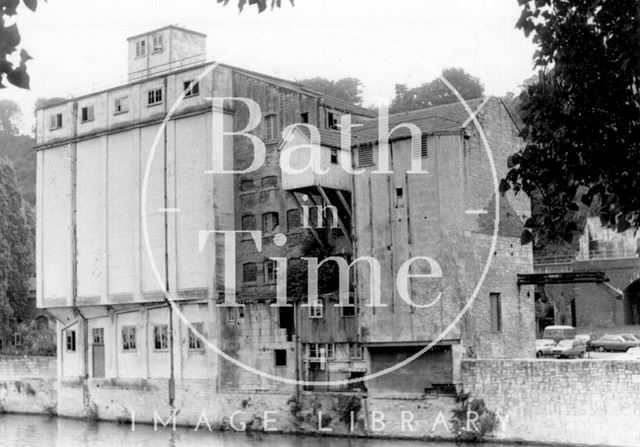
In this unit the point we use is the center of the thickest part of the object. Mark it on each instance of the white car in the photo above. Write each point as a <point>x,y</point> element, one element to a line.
<point>544,347</point>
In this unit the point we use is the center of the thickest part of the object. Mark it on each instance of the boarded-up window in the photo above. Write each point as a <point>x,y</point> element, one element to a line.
<point>270,222</point>
<point>247,185</point>
<point>270,181</point>
<point>365,155</point>
<point>421,151</point>
<point>249,272</point>
<point>496,312</point>
<point>249,222</point>
<point>270,123</point>
<point>294,221</point>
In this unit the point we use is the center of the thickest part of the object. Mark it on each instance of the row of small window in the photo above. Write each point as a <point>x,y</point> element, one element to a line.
<point>271,221</point>
<point>365,152</point>
<point>157,45</point>
<point>129,338</point>
<point>328,351</point>
<point>121,105</point>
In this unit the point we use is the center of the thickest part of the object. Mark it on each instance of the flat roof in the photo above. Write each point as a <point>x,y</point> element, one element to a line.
<point>176,27</point>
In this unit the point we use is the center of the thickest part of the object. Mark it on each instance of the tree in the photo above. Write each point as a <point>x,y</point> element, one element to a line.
<point>436,92</point>
<point>582,117</point>
<point>9,41</point>
<point>16,251</point>
<point>18,149</point>
<point>348,89</point>
<point>260,4</point>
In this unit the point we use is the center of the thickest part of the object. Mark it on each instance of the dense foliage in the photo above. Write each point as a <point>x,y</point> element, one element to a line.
<point>16,250</point>
<point>348,89</point>
<point>18,149</point>
<point>260,4</point>
<point>436,92</point>
<point>582,117</point>
<point>9,42</point>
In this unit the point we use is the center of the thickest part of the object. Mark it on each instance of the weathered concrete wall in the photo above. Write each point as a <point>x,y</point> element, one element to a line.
<point>197,403</point>
<point>28,384</point>
<point>578,402</point>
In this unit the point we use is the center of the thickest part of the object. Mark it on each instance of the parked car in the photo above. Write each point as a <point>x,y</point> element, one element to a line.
<point>611,342</point>
<point>587,338</point>
<point>634,336</point>
<point>631,354</point>
<point>544,347</point>
<point>570,348</point>
<point>557,333</point>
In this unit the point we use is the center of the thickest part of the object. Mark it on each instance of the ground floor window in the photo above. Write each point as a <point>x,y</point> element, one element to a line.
<point>129,338</point>
<point>161,337</point>
<point>194,342</point>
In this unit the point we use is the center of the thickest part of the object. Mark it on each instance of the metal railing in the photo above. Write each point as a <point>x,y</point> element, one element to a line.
<point>593,255</point>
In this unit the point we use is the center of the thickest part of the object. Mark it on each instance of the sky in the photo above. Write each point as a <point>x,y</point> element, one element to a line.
<point>81,44</point>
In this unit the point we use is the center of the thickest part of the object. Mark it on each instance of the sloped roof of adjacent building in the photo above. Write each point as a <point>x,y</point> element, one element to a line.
<point>443,118</point>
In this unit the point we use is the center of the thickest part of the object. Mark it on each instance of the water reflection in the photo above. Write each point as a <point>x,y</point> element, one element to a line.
<point>42,431</point>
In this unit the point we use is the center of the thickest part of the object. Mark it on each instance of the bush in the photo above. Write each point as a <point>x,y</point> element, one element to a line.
<point>472,421</point>
<point>345,405</point>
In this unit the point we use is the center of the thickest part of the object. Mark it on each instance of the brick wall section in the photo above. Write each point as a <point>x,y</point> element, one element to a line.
<point>575,402</point>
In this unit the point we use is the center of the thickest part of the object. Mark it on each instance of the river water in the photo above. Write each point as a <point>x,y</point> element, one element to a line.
<point>42,431</point>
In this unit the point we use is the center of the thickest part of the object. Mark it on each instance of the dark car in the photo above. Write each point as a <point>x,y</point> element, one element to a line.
<point>614,343</point>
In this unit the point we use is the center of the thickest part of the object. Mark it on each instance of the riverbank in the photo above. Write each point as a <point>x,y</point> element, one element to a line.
<point>582,402</point>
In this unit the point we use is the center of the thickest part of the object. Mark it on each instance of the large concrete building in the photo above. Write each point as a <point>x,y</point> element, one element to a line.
<point>125,206</point>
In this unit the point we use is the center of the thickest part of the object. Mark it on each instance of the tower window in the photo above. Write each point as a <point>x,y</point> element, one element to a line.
<point>141,48</point>
<point>55,121</point>
<point>157,43</point>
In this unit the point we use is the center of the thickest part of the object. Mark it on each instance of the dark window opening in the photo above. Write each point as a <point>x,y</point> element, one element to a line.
<point>270,181</point>
<point>304,117</point>
<point>249,222</point>
<point>249,272</point>
<point>334,156</point>
<point>247,185</point>
<point>294,219</point>
<point>332,120</point>
<point>193,91</point>
<point>71,341</point>
<point>496,312</point>
<point>286,321</point>
<point>280,357</point>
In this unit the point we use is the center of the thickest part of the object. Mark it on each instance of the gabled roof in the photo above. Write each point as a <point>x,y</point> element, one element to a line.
<point>445,118</point>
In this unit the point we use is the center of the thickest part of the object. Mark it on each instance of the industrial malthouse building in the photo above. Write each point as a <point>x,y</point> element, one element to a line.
<point>116,227</point>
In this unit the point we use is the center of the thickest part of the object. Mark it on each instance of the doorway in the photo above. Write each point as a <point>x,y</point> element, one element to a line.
<point>98,352</point>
